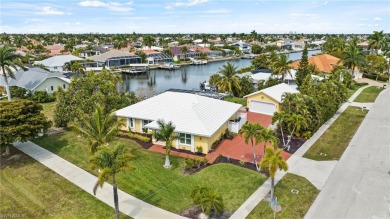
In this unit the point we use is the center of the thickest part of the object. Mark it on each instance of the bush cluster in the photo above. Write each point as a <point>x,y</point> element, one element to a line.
<point>194,163</point>
<point>41,97</point>
<point>134,136</point>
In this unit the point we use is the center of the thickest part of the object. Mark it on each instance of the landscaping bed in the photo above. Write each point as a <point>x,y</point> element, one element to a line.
<point>332,144</point>
<point>30,190</point>
<point>369,94</point>
<point>169,189</point>
<point>293,205</point>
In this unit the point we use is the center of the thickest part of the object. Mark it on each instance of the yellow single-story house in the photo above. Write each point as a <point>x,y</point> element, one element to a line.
<point>199,121</point>
<point>268,100</point>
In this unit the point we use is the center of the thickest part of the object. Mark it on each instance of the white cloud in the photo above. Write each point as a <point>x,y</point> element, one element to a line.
<point>218,11</point>
<point>49,10</point>
<point>378,19</point>
<point>188,3</point>
<point>325,2</point>
<point>113,6</point>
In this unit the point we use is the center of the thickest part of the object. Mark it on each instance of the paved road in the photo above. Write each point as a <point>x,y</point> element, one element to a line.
<point>127,204</point>
<point>359,186</point>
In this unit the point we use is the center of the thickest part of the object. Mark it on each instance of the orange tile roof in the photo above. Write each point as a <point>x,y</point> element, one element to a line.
<point>324,62</point>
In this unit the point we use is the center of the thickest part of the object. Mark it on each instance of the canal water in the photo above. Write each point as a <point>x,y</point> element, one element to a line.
<point>186,77</point>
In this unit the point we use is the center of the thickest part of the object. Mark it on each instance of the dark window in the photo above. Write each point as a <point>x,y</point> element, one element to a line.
<point>52,88</point>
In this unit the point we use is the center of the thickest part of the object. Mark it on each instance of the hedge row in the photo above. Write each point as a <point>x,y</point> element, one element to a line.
<point>134,136</point>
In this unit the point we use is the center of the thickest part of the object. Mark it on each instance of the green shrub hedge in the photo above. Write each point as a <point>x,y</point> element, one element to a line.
<point>383,78</point>
<point>134,136</point>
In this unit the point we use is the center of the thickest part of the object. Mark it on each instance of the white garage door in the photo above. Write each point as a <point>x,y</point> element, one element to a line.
<point>262,107</point>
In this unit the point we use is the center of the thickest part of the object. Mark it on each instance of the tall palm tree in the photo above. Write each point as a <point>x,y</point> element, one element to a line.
<point>376,41</point>
<point>294,123</point>
<point>281,66</point>
<point>167,134</point>
<point>111,161</point>
<point>353,57</point>
<point>229,81</point>
<point>269,136</point>
<point>251,132</point>
<point>98,128</point>
<point>9,60</point>
<point>77,67</point>
<point>273,161</point>
<point>279,117</point>
<point>148,41</point>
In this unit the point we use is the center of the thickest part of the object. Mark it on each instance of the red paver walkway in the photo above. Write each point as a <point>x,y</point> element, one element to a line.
<point>238,149</point>
<point>235,148</point>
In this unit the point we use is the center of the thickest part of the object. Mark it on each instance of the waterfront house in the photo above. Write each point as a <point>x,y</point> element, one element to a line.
<point>96,50</point>
<point>57,63</point>
<point>243,47</point>
<point>114,58</point>
<point>199,120</point>
<point>37,79</point>
<point>268,100</point>
<point>325,63</point>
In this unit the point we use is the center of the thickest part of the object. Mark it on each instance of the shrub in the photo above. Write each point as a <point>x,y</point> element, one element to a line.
<point>208,199</point>
<point>134,136</point>
<point>384,78</point>
<point>215,144</point>
<point>42,97</point>
<point>228,134</point>
<point>18,92</point>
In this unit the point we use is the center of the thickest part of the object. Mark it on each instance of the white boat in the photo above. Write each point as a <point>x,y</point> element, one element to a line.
<point>198,62</point>
<point>169,66</point>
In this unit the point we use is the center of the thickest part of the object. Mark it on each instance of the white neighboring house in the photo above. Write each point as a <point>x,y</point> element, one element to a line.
<point>56,63</point>
<point>37,79</point>
<point>243,47</point>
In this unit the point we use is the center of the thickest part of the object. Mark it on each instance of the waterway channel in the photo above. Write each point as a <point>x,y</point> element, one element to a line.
<point>187,77</point>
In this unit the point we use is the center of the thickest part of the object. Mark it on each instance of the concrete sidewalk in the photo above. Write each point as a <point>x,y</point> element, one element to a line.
<point>359,185</point>
<point>296,160</point>
<point>128,204</point>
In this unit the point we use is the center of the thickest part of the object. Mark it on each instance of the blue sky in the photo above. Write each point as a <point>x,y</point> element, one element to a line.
<point>193,16</point>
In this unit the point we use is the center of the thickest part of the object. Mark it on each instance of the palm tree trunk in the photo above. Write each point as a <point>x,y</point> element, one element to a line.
<point>272,188</point>
<point>254,156</point>
<point>281,130</point>
<point>6,84</point>
<point>116,202</point>
<point>167,161</point>
<point>353,71</point>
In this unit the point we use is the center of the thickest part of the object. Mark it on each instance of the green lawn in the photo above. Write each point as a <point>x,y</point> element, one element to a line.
<point>293,205</point>
<point>336,139</point>
<point>368,95</point>
<point>48,109</point>
<point>151,182</point>
<point>31,190</point>
<point>238,100</point>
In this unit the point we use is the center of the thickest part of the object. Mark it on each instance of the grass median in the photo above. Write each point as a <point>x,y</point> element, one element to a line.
<point>30,190</point>
<point>169,189</point>
<point>368,95</point>
<point>332,144</point>
<point>293,205</point>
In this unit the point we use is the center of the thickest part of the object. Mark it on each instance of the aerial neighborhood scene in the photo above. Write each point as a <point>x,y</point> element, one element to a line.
<point>165,109</point>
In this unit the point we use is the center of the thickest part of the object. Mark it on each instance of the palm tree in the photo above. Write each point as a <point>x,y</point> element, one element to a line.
<point>281,66</point>
<point>167,134</point>
<point>273,161</point>
<point>251,132</point>
<point>269,136</point>
<point>353,57</point>
<point>99,128</point>
<point>295,123</point>
<point>229,81</point>
<point>211,201</point>
<point>376,41</point>
<point>111,161</point>
<point>9,60</point>
<point>77,67</point>
<point>148,41</point>
<point>278,117</point>
<point>208,199</point>
<point>184,51</point>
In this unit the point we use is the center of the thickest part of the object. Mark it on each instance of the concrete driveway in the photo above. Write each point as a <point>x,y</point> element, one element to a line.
<point>359,186</point>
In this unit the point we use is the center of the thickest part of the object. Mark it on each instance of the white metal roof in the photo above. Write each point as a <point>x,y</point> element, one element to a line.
<point>59,60</point>
<point>276,92</point>
<point>190,113</point>
<point>110,54</point>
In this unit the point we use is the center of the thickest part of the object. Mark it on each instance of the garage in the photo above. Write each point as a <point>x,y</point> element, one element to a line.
<point>262,107</point>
